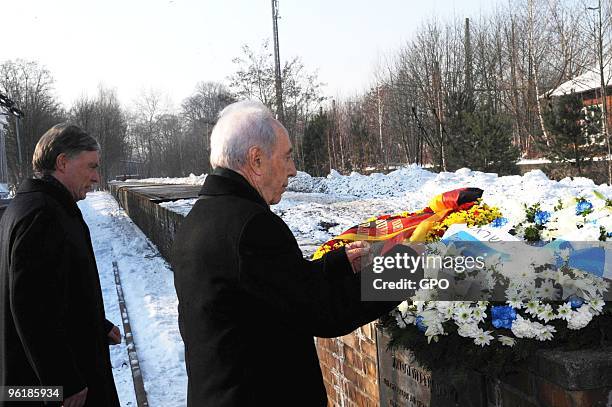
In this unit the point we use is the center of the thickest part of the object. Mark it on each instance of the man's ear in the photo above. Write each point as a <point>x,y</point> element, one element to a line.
<point>60,162</point>
<point>254,159</point>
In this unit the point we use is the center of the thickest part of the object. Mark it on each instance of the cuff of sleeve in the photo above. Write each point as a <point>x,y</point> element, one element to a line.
<point>337,263</point>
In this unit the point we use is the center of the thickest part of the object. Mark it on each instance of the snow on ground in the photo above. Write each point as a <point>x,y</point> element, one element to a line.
<point>150,297</point>
<point>190,180</point>
<point>316,209</point>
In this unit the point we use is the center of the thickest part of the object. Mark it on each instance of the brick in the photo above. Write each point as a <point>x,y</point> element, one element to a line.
<point>328,359</point>
<point>369,348</point>
<point>370,369</point>
<point>332,395</point>
<point>357,381</point>
<point>328,344</point>
<point>351,340</point>
<point>353,358</point>
<point>363,401</point>
<point>370,331</point>
<point>370,388</point>
<point>350,390</point>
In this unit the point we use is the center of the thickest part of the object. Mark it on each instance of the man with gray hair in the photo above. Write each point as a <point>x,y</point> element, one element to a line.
<point>53,331</point>
<point>249,303</point>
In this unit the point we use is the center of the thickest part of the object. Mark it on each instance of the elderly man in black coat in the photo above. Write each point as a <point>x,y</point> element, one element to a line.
<point>53,331</point>
<point>249,303</point>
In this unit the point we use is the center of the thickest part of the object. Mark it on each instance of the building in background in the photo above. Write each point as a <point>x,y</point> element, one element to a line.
<point>588,86</point>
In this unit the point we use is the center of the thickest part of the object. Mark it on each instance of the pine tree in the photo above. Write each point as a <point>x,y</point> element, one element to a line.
<point>482,140</point>
<point>574,130</point>
<point>316,160</point>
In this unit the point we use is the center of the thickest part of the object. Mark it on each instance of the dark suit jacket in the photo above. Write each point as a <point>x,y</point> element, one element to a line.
<point>52,325</point>
<point>250,304</point>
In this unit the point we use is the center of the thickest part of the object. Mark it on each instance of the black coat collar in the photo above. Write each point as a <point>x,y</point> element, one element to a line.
<point>55,189</point>
<point>223,181</point>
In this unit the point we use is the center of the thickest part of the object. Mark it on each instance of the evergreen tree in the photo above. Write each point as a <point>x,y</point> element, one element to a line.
<point>482,140</point>
<point>316,160</point>
<point>575,134</point>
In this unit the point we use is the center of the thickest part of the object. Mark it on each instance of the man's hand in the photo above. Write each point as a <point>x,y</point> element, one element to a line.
<point>76,400</point>
<point>114,336</point>
<point>356,253</point>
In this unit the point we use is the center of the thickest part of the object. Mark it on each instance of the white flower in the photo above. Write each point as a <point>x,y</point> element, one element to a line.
<point>547,290</point>
<point>483,338</point>
<point>434,329</point>
<point>564,311</point>
<point>523,328</point>
<point>419,305</point>
<point>463,315</point>
<point>469,330</point>
<point>548,234</point>
<point>530,290</point>
<point>580,318</point>
<point>515,303</point>
<point>506,340</point>
<point>403,307</point>
<point>547,313</point>
<point>596,305</point>
<point>403,319</point>
<point>545,333</point>
<point>532,306</point>
<point>478,314</point>
<point>483,305</point>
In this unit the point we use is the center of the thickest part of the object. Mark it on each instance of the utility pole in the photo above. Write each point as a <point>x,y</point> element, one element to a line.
<point>469,87</point>
<point>604,96</point>
<point>277,70</point>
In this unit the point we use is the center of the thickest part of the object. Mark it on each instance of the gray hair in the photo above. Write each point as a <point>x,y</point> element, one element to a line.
<point>241,126</point>
<point>61,138</point>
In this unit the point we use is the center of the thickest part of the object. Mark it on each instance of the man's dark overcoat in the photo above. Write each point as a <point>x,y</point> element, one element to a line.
<point>250,304</point>
<point>52,325</point>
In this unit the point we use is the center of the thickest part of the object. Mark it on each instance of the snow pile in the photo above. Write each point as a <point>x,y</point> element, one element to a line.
<point>190,180</point>
<point>317,209</point>
<point>363,186</point>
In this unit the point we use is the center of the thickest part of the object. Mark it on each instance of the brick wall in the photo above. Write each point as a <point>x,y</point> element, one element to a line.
<point>349,368</point>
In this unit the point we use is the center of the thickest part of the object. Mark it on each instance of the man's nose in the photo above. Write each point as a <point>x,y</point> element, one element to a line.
<point>292,170</point>
<point>96,177</point>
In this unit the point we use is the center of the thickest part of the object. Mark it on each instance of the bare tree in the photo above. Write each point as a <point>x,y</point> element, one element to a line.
<point>30,86</point>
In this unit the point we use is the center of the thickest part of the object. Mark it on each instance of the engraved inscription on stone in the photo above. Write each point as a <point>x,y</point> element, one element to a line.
<point>402,382</point>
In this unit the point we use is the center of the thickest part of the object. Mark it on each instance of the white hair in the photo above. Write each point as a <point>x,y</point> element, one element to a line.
<point>241,126</point>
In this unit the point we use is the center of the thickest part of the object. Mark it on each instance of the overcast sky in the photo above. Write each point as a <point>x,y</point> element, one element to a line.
<point>170,45</point>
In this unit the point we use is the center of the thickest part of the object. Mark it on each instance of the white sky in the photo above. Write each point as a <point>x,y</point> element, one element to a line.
<point>170,45</point>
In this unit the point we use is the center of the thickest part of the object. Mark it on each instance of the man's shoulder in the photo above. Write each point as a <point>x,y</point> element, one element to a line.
<point>228,205</point>
<point>28,210</point>
<point>36,201</point>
